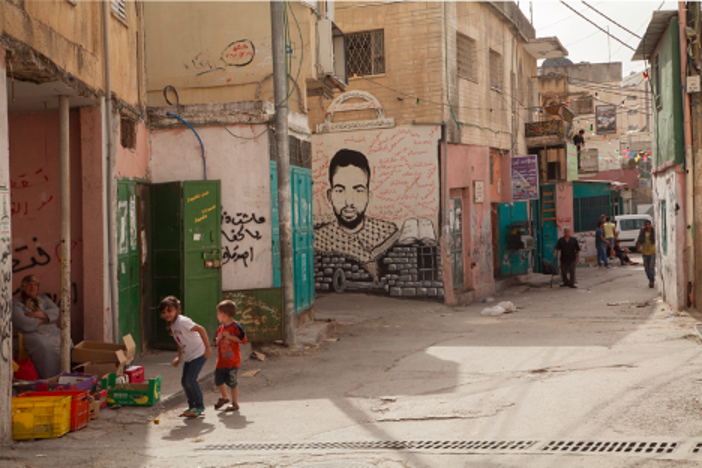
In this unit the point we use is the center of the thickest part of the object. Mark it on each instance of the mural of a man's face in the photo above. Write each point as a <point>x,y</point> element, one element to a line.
<point>349,195</point>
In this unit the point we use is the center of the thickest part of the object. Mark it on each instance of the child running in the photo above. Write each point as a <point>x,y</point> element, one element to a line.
<point>229,335</point>
<point>193,349</point>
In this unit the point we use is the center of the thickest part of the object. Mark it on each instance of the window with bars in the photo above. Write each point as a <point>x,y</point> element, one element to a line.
<point>365,53</point>
<point>119,8</point>
<point>495,70</point>
<point>427,264</point>
<point>466,58</point>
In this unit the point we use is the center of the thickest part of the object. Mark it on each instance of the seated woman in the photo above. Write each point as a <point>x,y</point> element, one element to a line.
<point>36,317</point>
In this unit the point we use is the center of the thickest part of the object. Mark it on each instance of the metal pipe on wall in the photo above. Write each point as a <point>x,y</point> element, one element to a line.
<point>689,164</point>
<point>110,198</point>
<point>65,315</point>
<point>283,155</point>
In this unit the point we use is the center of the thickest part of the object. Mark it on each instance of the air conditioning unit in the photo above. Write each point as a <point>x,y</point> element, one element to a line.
<point>332,49</point>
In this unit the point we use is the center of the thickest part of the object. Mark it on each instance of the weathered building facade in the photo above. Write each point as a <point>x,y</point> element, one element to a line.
<point>439,93</point>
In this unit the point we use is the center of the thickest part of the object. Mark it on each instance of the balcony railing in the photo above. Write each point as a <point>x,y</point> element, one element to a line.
<point>546,128</point>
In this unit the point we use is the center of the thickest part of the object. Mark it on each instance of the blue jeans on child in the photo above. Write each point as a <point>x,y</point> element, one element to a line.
<point>602,255</point>
<point>191,371</point>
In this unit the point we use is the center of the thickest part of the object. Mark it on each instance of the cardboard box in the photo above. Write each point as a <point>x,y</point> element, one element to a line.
<point>67,382</point>
<point>135,374</point>
<point>94,409</point>
<point>96,352</point>
<point>141,394</point>
<point>101,369</point>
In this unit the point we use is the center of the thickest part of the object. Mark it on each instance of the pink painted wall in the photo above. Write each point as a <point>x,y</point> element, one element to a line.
<point>98,325</point>
<point>467,164</point>
<point>133,163</point>
<point>564,207</point>
<point>36,206</point>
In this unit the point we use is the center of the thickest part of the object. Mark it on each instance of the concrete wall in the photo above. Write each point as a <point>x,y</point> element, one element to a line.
<point>669,188</point>
<point>36,206</point>
<point>5,268</point>
<point>493,118</point>
<point>243,166</point>
<point>133,163</point>
<point>418,78</point>
<point>400,213</point>
<point>70,35</point>
<point>413,60</point>
<point>564,207</point>
<point>470,164</point>
<point>221,51</point>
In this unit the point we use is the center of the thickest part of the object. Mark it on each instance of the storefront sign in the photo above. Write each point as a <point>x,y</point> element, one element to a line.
<point>525,178</point>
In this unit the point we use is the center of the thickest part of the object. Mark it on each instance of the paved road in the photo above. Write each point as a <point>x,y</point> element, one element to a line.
<point>606,363</point>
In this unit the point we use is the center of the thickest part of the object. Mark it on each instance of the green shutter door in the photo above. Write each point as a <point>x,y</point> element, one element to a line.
<point>128,272</point>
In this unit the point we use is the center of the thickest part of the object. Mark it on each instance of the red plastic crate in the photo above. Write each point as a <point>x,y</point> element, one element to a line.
<point>80,405</point>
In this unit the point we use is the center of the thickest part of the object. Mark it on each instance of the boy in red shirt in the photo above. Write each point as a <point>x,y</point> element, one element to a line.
<point>229,335</point>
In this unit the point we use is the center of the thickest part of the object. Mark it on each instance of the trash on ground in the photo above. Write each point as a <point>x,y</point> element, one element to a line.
<point>492,311</point>
<point>508,306</point>
<point>258,355</point>
<point>250,373</point>
<point>332,340</point>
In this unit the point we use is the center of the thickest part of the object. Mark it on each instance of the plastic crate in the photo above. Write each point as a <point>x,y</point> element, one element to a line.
<point>40,417</point>
<point>80,405</point>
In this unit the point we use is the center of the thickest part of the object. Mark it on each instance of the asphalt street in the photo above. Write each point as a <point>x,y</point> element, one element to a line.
<point>603,375</point>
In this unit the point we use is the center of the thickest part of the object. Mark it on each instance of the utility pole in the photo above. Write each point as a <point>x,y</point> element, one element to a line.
<point>280,93</point>
<point>65,317</point>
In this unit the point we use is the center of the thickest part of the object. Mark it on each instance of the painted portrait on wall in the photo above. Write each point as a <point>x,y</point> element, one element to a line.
<point>376,206</point>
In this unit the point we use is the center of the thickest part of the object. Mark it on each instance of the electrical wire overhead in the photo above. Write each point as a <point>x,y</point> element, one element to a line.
<point>610,19</point>
<point>597,26</point>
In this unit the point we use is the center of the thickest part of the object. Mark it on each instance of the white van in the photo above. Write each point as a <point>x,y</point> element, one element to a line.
<point>628,227</point>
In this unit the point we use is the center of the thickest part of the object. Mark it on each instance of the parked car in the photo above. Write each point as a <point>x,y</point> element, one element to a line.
<point>628,227</point>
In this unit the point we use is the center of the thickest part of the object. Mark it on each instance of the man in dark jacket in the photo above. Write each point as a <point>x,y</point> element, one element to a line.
<point>570,255</point>
<point>646,244</point>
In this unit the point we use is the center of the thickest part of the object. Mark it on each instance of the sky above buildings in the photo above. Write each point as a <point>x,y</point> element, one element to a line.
<point>584,42</point>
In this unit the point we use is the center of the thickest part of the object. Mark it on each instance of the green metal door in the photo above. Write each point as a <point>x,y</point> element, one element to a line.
<point>546,226</point>
<point>456,240</point>
<point>186,253</point>
<point>128,271</point>
<point>303,237</point>
<point>202,252</point>
<point>275,225</point>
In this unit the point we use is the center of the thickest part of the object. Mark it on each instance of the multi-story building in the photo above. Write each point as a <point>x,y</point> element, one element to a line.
<point>60,49</point>
<point>211,112</point>
<point>676,133</point>
<point>439,93</point>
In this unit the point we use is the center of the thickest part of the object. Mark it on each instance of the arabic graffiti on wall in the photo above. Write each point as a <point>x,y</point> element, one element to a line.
<point>376,206</point>
<point>240,236</point>
<point>5,281</point>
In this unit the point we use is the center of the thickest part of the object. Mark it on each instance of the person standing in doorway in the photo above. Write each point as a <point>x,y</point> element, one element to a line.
<point>608,228</point>
<point>570,255</point>
<point>600,245</point>
<point>579,141</point>
<point>646,244</point>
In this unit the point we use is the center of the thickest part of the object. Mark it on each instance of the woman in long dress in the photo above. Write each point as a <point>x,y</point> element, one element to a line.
<point>36,317</point>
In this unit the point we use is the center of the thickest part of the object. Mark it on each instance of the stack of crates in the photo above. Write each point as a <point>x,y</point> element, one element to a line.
<point>40,417</point>
<point>80,405</point>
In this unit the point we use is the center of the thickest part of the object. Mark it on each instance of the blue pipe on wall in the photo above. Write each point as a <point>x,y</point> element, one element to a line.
<point>204,159</point>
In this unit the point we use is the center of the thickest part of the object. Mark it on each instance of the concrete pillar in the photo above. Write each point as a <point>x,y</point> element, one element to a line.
<point>95,300</point>
<point>5,267</point>
<point>697,196</point>
<point>65,305</point>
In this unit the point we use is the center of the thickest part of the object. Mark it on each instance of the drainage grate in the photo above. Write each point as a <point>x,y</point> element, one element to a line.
<point>618,447</point>
<point>383,445</point>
